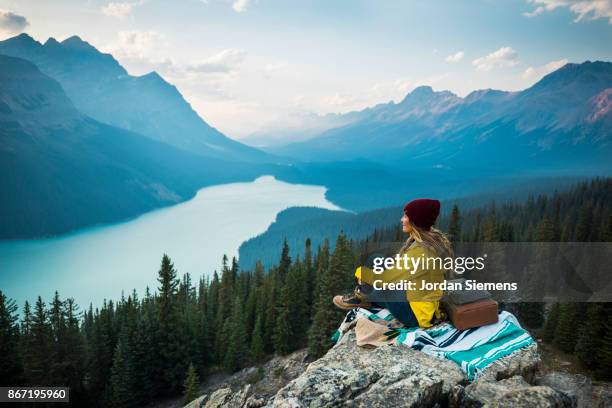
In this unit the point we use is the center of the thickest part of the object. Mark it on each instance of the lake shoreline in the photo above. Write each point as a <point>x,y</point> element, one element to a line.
<point>100,262</point>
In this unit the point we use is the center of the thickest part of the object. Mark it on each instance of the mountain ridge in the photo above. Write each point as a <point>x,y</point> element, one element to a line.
<point>102,89</point>
<point>550,116</point>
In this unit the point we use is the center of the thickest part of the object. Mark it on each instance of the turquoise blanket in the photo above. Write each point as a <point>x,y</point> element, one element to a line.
<point>473,349</point>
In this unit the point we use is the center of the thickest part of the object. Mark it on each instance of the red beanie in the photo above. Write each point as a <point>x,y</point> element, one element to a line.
<point>423,212</point>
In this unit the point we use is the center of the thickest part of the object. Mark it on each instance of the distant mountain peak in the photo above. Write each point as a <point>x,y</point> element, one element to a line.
<point>418,93</point>
<point>23,37</point>
<point>51,42</point>
<point>22,41</point>
<point>572,72</point>
<point>426,92</point>
<point>485,94</point>
<point>153,75</point>
<point>422,90</point>
<point>76,43</point>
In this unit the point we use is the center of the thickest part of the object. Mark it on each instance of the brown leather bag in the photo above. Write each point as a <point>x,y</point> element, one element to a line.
<point>474,314</point>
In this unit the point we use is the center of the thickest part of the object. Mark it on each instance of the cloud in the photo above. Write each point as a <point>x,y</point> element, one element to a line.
<point>340,101</point>
<point>456,57</point>
<point>141,52</point>
<point>12,23</point>
<point>584,9</point>
<point>136,44</point>
<point>222,62</point>
<point>502,58</point>
<point>539,72</point>
<point>120,10</point>
<point>240,5</point>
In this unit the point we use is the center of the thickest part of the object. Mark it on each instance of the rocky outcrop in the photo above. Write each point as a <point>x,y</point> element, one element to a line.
<point>388,377</point>
<point>510,392</point>
<point>223,397</point>
<point>392,376</point>
<point>254,386</point>
<point>575,386</point>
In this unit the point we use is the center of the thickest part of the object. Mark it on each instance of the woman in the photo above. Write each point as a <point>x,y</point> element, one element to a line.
<point>417,306</point>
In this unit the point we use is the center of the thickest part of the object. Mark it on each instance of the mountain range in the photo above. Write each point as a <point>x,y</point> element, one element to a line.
<point>102,89</point>
<point>565,115</point>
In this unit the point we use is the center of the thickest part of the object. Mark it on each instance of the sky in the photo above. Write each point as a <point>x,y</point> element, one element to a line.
<point>248,66</point>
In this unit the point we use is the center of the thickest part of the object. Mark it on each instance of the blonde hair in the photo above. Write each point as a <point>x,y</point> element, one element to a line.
<point>433,239</point>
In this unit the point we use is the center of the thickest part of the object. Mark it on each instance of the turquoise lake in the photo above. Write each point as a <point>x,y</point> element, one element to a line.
<point>98,263</point>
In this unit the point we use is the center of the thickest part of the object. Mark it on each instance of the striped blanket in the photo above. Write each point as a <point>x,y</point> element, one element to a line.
<point>473,349</point>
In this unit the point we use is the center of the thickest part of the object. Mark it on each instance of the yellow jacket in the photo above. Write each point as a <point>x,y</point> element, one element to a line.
<point>425,303</point>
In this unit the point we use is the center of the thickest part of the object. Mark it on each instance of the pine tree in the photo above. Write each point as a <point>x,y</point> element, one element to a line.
<point>237,339</point>
<point>211,315</point>
<point>226,295</point>
<point>191,385</point>
<point>100,354</point>
<point>74,360</point>
<point>188,324</point>
<point>270,300</point>
<point>310,278</point>
<point>122,385</point>
<point>39,347</point>
<point>320,269</point>
<point>284,264</point>
<point>205,355</point>
<point>11,369</point>
<point>298,303</point>
<point>454,227</point>
<point>224,304</point>
<point>58,329</point>
<point>250,308</point>
<point>333,282</point>
<point>171,373</point>
<point>282,329</point>
<point>26,322</point>
<point>234,270</point>
<point>145,349</point>
<point>257,343</point>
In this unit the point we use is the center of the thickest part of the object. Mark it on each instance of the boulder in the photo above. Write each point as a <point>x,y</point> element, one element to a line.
<point>386,376</point>
<point>575,386</point>
<point>509,392</point>
<point>252,387</point>
<point>223,397</point>
<point>524,362</point>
